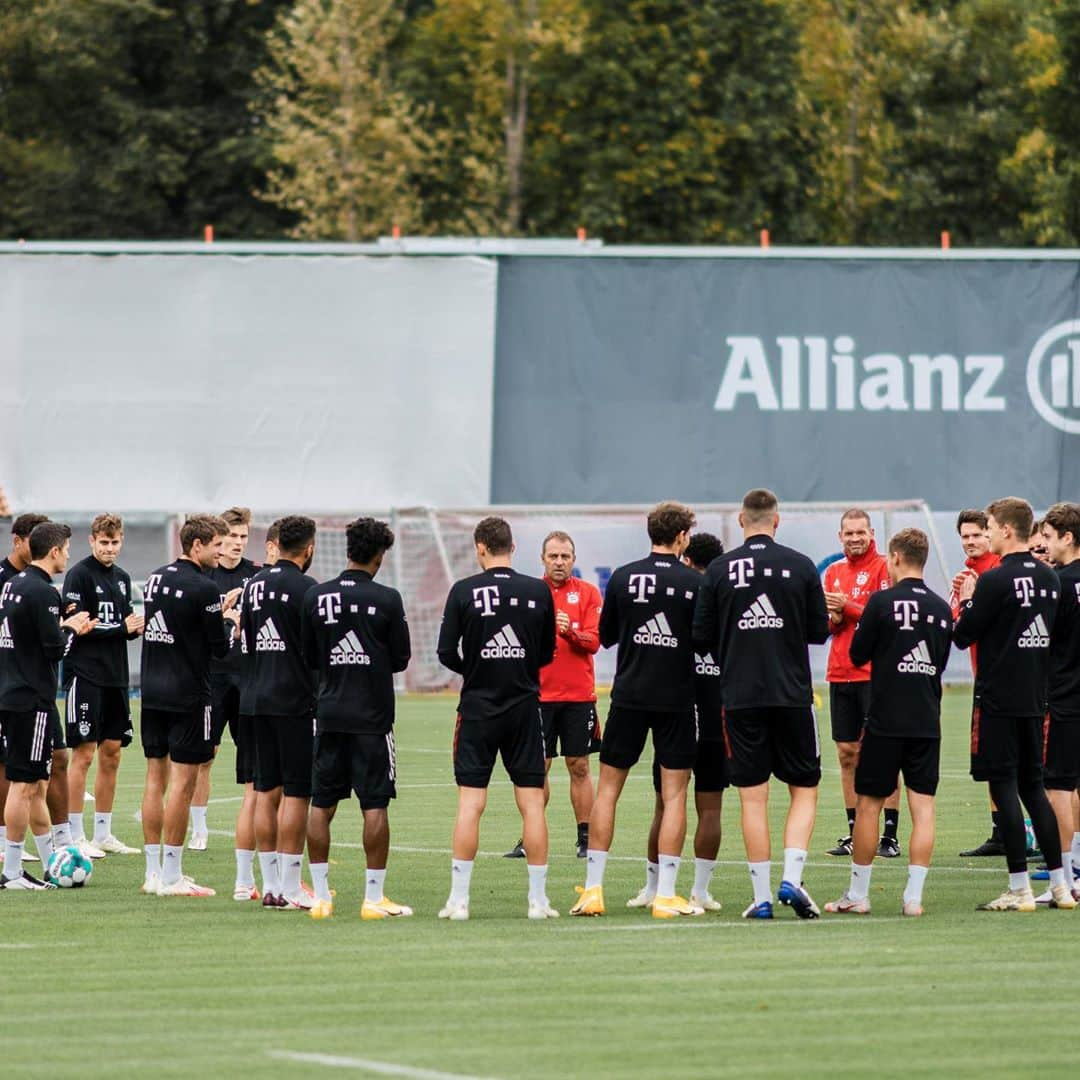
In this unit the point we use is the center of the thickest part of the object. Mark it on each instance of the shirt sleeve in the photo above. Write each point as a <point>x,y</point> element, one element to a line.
<point>608,626</point>
<point>308,641</point>
<point>704,626</point>
<point>214,625</point>
<point>76,586</point>
<point>976,614</point>
<point>586,637</point>
<point>817,614</point>
<point>547,640</point>
<point>450,636</point>
<point>400,645</point>
<point>55,641</point>
<point>865,637</point>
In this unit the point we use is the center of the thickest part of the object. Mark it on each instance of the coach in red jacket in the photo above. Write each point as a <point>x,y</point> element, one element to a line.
<point>849,583</point>
<point>568,683</point>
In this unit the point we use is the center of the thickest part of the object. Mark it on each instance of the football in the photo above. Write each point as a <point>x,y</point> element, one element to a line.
<point>69,868</point>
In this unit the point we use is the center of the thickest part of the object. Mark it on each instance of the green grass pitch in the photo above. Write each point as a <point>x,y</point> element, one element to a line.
<point>104,981</point>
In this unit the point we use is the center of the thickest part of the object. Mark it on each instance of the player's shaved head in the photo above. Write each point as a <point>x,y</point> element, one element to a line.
<point>759,507</point>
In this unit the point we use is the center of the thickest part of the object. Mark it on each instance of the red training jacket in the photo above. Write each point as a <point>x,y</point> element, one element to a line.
<point>858,578</point>
<point>978,567</point>
<point>570,676</point>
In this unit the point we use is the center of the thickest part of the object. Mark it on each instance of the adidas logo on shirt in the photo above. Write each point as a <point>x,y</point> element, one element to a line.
<point>6,640</point>
<point>917,662</point>
<point>761,615</point>
<point>349,651</point>
<point>503,646</point>
<point>268,639</point>
<point>657,631</point>
<point>706,665</point>
<point>1036,636</point>
<point>156,631</point>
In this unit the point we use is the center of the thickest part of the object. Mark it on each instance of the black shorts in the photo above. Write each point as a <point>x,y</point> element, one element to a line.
<point>182,736</point>
<point>674,736</point>
<point>778,742</point>
<point>346,762</point>
<point>242,730</point>
<point>30,747</point>
<point>1061,754</point>
<point>224,707</point>
<point>517,735</point>
<point>59,739</point>
<point>571,726</point>
<point>882,758</point>
<point>284,750</point>
<point>849,705</point>
<point>3,742</point>
<point>1006,747</point>
<point>96,714</point>
<point>710,768</point>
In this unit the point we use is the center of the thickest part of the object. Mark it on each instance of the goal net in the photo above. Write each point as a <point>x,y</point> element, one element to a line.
<point>434,548</point>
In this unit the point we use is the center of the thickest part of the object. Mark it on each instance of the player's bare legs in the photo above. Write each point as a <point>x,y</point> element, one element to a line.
<point>181,787</point>
<point>709,806</point>
<point>200,800</point>
<point>601,830</point>
<point>534,831</point>
<point>25,809</point>
<point>581,787</point>
<point>802,813</point>
<point>466,841</point>
<point>56,797</point>
<point>267,807</point>
<point>754,802</point>
<point>318,849</point>
<point>82,757</point>
<point>291,834</point>
<point>108,769</point>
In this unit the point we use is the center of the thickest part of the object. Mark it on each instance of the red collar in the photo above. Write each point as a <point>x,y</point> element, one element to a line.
<point>987,561</point>
<point>868,556</point>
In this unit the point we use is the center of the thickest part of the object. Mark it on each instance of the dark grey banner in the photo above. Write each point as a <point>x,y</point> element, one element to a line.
<point>634,379</point>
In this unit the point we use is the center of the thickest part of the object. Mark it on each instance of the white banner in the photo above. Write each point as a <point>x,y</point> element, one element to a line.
<point>156,382</point>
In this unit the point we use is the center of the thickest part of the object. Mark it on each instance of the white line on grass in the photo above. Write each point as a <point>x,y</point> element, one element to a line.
<point>381,1068</point>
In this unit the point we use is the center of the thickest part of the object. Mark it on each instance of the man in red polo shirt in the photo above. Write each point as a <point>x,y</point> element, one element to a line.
<point>972,526</point>
<point>568,683</point>
<point>849,583</point>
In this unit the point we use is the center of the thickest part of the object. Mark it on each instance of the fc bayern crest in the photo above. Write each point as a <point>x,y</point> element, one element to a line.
<point>572,598</point>
<point>862,578</point>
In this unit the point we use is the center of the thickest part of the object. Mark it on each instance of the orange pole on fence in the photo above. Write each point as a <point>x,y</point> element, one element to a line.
<point>946,240</point>
<point>764,238</point>
<point>582,236</point>
<point>395,231</point>
<point>208,233</point>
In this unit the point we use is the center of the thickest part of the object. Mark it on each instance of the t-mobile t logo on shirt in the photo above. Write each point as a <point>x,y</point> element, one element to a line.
<point>642,586</point>
<point>906,613</point>
<point>1025,590</point>
<point>740,571</point>
<point>329,605</point>
<point>486,598</point>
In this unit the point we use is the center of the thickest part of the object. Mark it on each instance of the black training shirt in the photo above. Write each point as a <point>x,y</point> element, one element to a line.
<point>1065,647</point>
<point>270,618</point>
<point>184,629</point>
<point>104,593</point>
<point>758,608</point>
<point>504,624</point>
<point>648,611</point>
<point>355,640</point>
<point>1009,617</point>
<point>226,579</point>
<point>32,644</point>
<point>906,634</point>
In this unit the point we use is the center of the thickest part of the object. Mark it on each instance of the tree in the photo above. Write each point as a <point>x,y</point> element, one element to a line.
<point>346,143</point>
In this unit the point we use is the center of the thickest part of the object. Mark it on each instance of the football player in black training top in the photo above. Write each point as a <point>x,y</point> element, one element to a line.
<point>33,640</point>
<point>355,640</point>
<point>96,680</point>
<point>497,632</point>
<point>1008,613</point>
<point>648,612</point>
<point>759,608</point>
<point>905,632</point>
<point>184,629</point>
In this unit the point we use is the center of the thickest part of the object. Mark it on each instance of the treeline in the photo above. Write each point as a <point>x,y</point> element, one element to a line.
<point>642,121</point>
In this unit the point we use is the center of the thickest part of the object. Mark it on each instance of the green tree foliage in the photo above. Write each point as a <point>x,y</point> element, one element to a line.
<point>132,118</point>
<point>346,144</point>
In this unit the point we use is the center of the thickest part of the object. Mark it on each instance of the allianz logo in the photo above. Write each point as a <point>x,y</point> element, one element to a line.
<point>818,374</point>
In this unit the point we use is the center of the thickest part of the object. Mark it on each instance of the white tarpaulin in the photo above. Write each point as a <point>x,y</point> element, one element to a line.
<point>187,382</point>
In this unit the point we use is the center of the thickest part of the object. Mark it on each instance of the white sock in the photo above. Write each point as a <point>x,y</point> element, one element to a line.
<point>269,867</point>
<point>761,879</point>
<point>652,876</point>
<point>78,830</point>
<point>62,835</point>
<point>153,860</point>
<point>374,884</point>
<point>198,819</point>
<point>320,880</point>
<point>1067,867</point>
<point>703,872</point>
<point>3,831</point>
<point>1057,877</point>
<point>102,826</point>
<point>1019,881</point>
<point>1076,849</point>
<point>537,884</point>
<point>460,879</point>
<point>669,872</point>
<point>12,858</point>
<point>595,865</point>
<point>245,867</point>
<point>290,872</point>
<point>859,886</point>
<point>794,861</point>
<point>44,844</point>
<point>916,879</point>
<point>172,869</point>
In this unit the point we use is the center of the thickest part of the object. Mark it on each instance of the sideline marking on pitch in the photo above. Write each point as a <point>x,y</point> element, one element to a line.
<point>382,1068</point>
